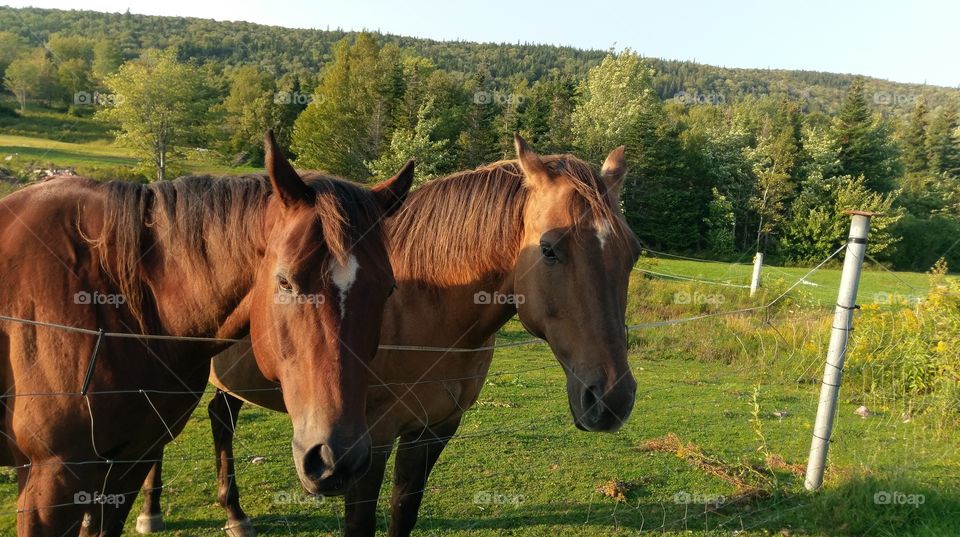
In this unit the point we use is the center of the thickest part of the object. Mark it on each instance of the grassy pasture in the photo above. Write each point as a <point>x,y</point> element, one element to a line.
<point>724,414</point>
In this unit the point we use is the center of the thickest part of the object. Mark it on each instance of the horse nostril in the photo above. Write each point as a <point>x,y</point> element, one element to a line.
<point>313,465</point>
<point>590,403</point>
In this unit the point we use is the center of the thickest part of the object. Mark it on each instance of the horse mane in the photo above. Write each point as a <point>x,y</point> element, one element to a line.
<point>209,220</point>
<point>468,225</point>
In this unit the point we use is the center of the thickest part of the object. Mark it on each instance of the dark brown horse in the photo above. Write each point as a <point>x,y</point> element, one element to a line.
<point>300,265</point>
<point>543,238</point>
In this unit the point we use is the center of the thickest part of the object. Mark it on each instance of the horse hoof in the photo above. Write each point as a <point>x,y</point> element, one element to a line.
<point>241,528</point>
<point>150,524</point>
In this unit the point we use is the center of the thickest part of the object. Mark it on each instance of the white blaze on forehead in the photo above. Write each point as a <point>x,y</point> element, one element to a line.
<point>343,278</point>
<point>603,231</point>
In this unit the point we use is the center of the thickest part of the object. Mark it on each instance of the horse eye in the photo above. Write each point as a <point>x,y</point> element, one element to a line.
<point>548,253</point>
<point>392,289</point>
<point>284,284</point>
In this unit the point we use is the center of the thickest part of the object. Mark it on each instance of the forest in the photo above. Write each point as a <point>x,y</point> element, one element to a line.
<point>724,162</point>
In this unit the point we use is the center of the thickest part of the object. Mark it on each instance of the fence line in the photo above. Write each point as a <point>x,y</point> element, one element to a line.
<point>534,425</point>
<point>689,279</point>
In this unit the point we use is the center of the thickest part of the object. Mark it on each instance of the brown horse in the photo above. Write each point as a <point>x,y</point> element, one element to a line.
<point>543,238</point>
<point>300,265</point>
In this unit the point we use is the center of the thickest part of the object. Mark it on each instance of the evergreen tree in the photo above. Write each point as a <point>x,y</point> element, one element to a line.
<point>864,144</point>
<point>915,139</point>
<point>944,142</point>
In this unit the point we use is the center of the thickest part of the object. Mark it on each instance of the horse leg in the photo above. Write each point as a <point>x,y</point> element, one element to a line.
<point>151,516</point>
<point>360,499</point>
<point>223,410</point>
<point>416,455</point>
<point>49,501</point>
<point>106,517</point>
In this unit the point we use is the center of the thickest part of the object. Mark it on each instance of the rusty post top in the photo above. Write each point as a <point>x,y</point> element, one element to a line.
<point>860,213</point>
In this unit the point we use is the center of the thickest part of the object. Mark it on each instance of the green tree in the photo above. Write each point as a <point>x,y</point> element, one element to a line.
<point>721,224</point>
<point>864,143</point>
<point>478,141</point>
<point>818,226</point>
<point>619,106</point>
<point>776,163</point>
<point>21,77</point>
<point>107,58</point>
<point>915,139</point>
<point>250,109</point>
<point>159,103</point>
<point>944,142</point>
<point>348,120</point>
<point>431,155</point>
<point>11,47</point>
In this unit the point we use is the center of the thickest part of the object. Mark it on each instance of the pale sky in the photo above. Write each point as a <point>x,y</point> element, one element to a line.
<point>906,41</point>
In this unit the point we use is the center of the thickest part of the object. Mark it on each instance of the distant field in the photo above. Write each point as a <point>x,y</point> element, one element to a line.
<point>99,159</point>
<point>877,285</point>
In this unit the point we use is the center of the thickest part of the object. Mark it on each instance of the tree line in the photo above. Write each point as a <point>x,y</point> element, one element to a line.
<point>719,172</point>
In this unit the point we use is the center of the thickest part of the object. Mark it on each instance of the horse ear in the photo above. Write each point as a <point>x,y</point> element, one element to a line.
<point>534,170</point>
<point>613,171</point>
<point>390,194</point>
<point>285,181</point>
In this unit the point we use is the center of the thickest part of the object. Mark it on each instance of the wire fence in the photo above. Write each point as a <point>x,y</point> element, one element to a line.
<point>595,506</point>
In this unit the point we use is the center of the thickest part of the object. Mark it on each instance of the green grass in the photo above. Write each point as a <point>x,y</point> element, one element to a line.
<point>699,381</point>
<point>99,159</point>
<point>38,122</point>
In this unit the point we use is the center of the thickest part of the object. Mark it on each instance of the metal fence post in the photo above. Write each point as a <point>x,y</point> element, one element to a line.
<point>757,266</point>
<point>836,354</point>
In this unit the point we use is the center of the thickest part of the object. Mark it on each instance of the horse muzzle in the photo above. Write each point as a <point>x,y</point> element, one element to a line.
<point>329,468</point>
<point>595,409</point>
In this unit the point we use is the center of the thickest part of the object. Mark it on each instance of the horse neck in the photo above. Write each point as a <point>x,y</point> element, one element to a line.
<point>471,311</point>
